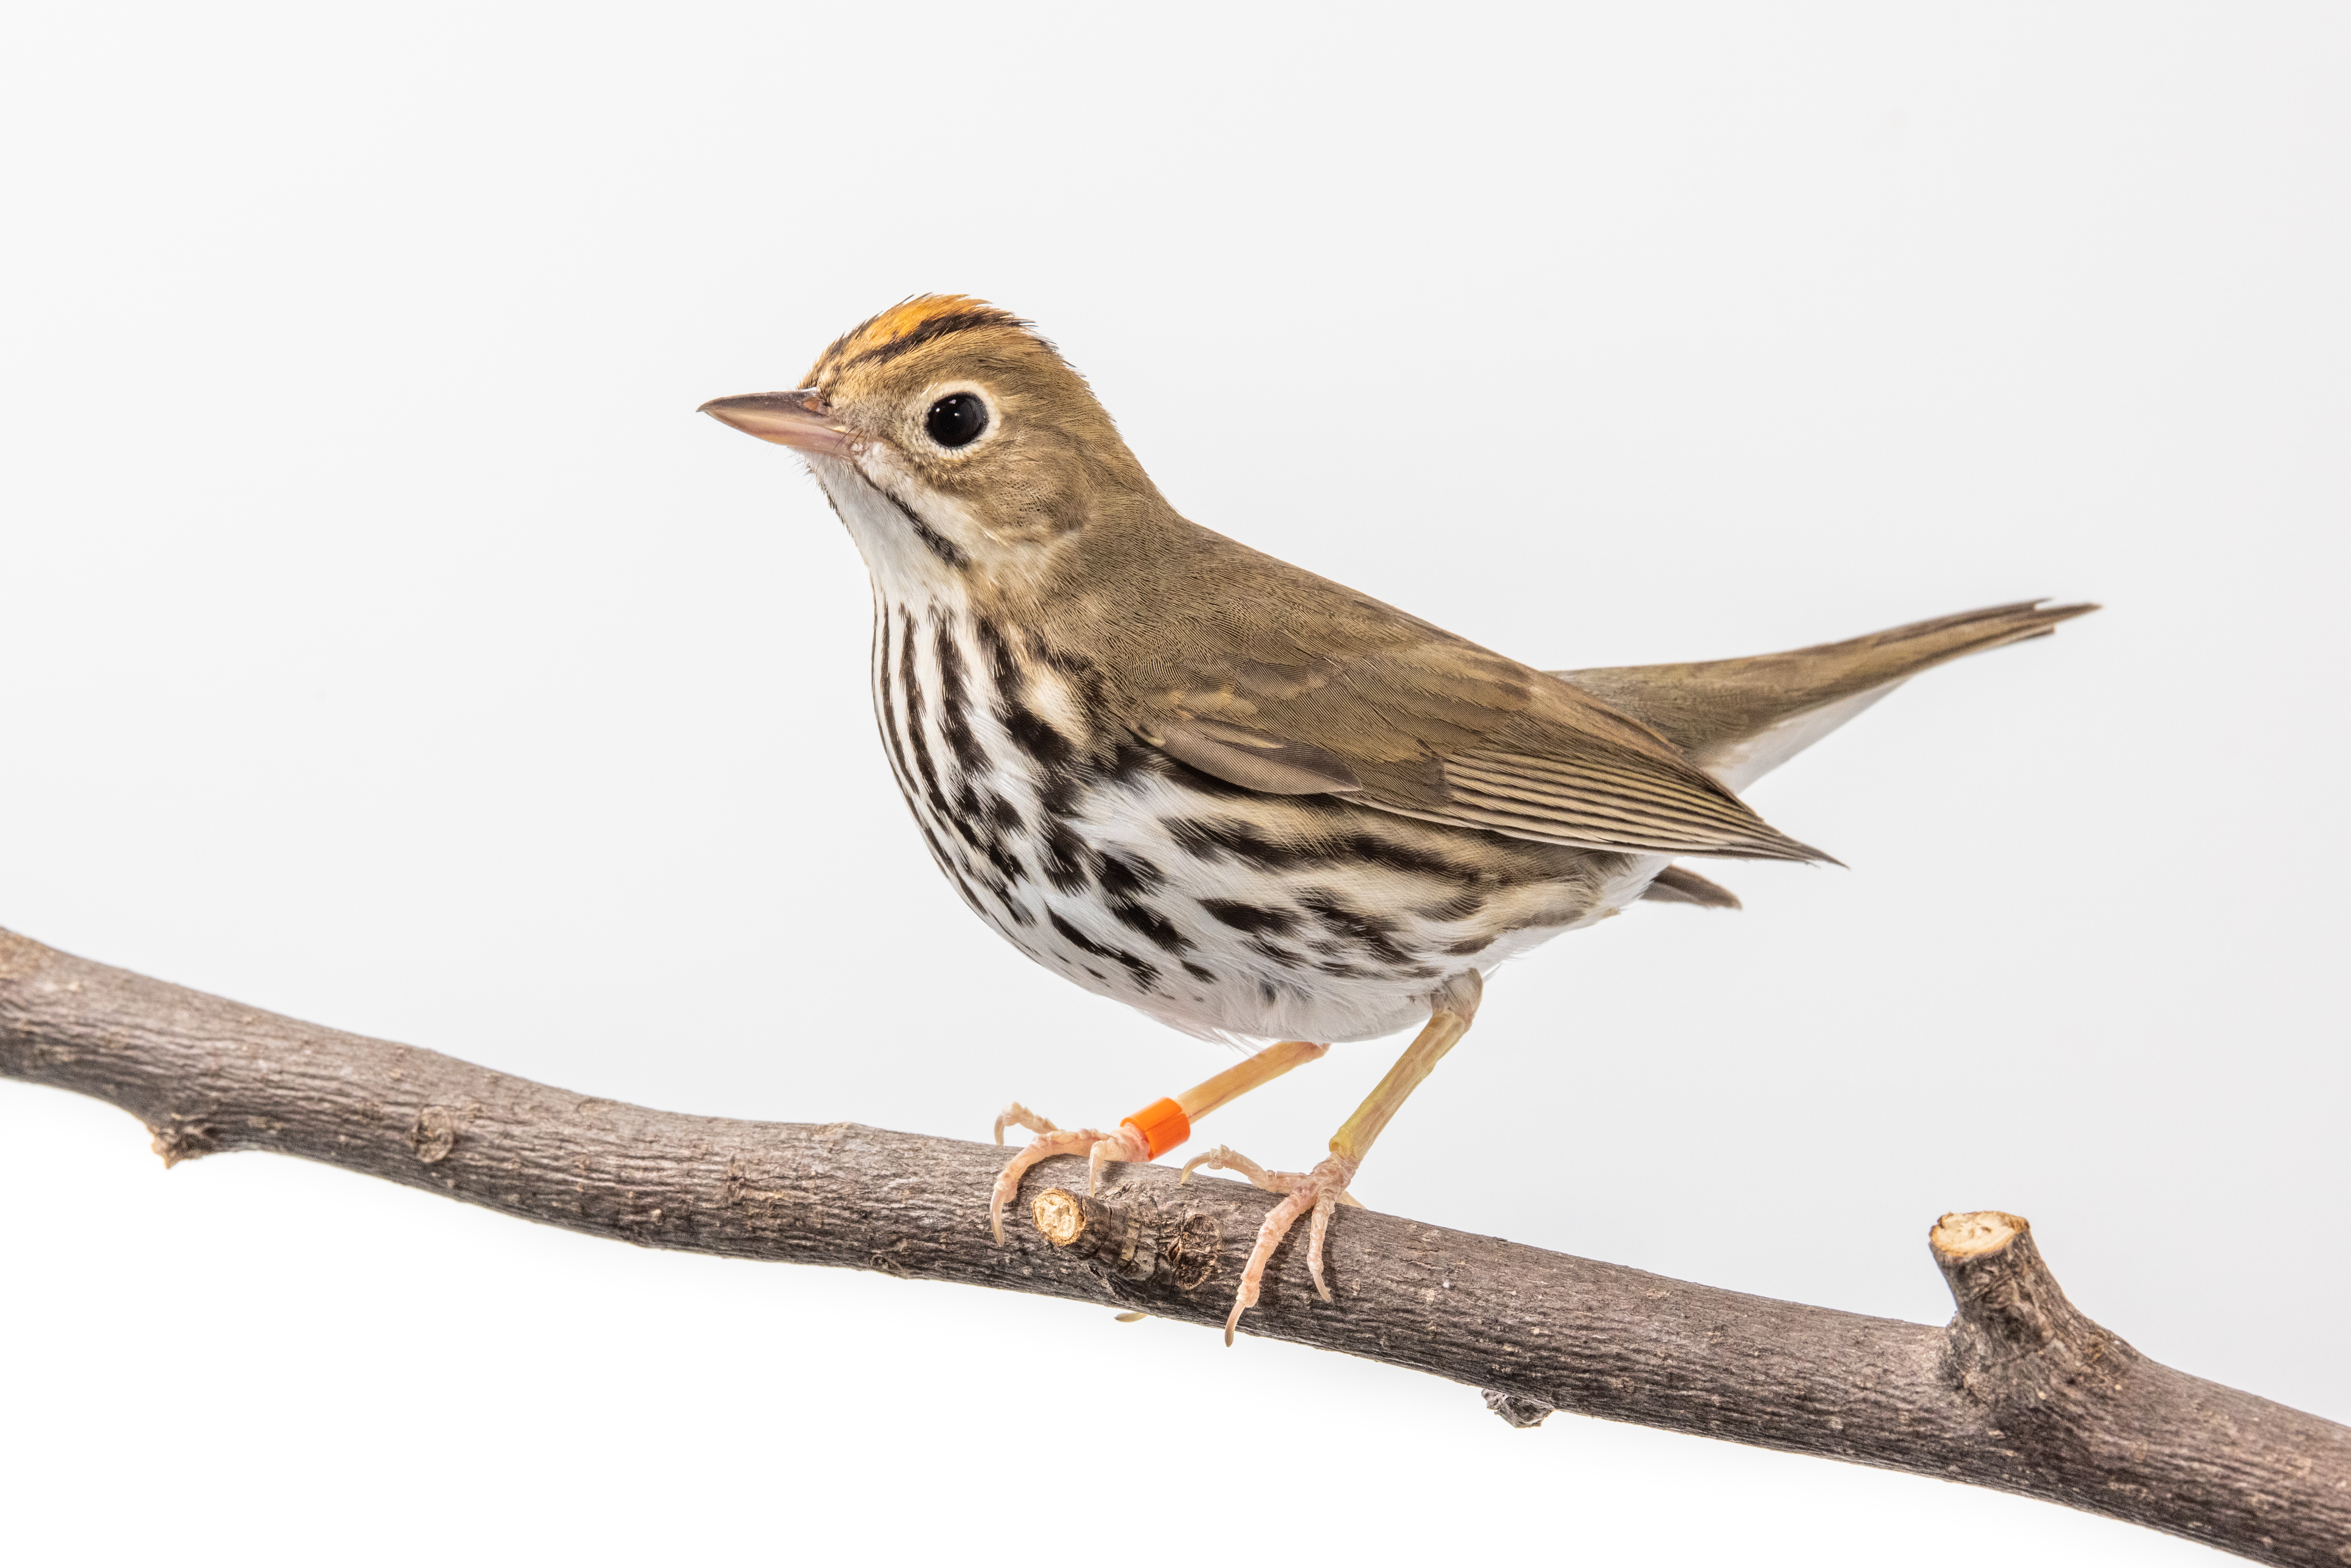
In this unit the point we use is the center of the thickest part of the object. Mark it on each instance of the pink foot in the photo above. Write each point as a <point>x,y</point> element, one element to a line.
<point>1322,1189</point>
<point>1126,1144</point>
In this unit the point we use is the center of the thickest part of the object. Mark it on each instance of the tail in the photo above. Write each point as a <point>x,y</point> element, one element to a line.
<point>1739,718</point>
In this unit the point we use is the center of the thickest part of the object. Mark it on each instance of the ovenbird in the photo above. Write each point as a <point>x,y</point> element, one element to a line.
<point>1256,804</point>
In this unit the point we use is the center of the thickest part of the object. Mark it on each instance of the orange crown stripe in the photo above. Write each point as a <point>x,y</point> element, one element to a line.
<point>903,318</point>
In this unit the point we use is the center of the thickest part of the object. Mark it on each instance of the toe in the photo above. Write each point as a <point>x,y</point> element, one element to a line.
<point>1008,1181</point>
<point>1278,1221</point>
<point>1126,1144</point>
<point>1224,1159</point>
<point>1314,1235</point>
<point>1019,1115</point>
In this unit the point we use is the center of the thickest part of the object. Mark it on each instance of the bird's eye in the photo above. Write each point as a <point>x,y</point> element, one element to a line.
<point>956,420</point>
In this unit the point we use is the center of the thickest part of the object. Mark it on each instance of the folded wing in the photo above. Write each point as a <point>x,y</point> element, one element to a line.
<point>1306,687</point>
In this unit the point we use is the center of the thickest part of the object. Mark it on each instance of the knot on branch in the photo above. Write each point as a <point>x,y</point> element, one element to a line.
<point>2016,1344</point>
<point>434,1134</point>
<point>1516,1408</point>
<point>183,1138</point>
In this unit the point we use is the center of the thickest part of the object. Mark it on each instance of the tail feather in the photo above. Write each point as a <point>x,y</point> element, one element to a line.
<point>1739,718</point>
<point>1679,884</point>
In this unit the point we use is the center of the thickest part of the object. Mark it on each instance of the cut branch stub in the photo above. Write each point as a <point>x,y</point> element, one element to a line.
<point>1137,1240</point>
<point>2017,1344</point>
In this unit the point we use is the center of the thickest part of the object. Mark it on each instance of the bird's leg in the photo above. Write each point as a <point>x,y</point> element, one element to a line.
<point>1324,1188</point>
<point>1148,1134</point>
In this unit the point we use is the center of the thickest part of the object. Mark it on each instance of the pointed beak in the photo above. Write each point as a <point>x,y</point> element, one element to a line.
<point>795,419</point>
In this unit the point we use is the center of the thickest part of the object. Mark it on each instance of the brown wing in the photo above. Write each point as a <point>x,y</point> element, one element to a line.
<point>1273,679</point>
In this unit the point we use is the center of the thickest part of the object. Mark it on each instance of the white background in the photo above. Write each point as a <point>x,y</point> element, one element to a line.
<point>387,643</point>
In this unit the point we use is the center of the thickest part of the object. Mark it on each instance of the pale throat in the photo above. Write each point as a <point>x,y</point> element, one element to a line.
<point>907,569</point>
<point>927,550</point>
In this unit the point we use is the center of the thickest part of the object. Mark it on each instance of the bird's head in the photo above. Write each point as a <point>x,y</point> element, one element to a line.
<point>953,442</point>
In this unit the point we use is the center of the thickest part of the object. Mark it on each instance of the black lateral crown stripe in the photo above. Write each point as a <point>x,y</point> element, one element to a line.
<point>932,331</point>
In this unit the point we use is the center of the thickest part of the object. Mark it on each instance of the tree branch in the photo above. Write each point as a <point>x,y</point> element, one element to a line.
<point>2020,1392</point>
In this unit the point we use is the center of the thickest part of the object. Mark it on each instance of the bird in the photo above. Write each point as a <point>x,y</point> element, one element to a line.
<point>1259,805</point>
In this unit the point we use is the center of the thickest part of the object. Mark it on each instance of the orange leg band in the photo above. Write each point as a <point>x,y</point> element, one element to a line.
<point>1163,1125</point>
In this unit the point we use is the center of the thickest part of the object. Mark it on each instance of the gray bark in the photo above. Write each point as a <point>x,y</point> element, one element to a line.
<point>2020,1391</point>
